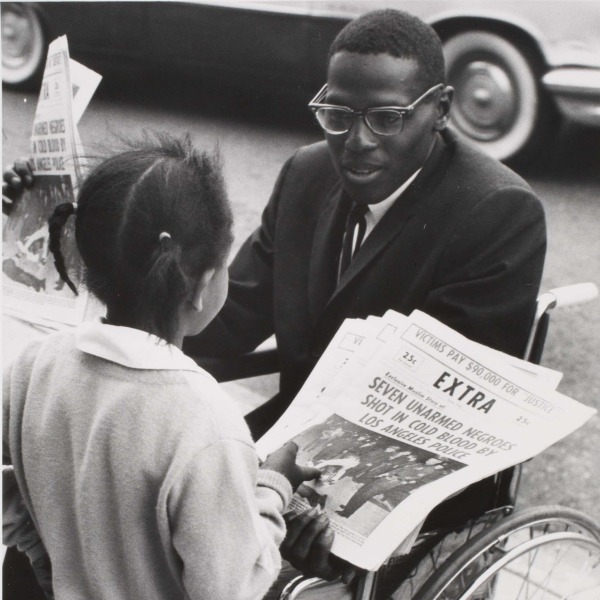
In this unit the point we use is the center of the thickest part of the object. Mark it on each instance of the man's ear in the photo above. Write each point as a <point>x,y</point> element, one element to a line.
<point>443,107</point>
<point>196,299</point>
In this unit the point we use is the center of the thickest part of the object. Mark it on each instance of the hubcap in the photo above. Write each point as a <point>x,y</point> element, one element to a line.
<point>486,102</point>
<point>17,38</point>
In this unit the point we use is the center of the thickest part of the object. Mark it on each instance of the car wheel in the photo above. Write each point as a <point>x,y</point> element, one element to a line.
<point>23,45</point>
<point>498,102</point>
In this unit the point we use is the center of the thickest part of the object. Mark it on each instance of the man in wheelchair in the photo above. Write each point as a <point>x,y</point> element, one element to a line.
<point>392,211</point>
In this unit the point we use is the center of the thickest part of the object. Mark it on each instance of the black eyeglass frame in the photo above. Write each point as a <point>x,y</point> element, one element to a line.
<point>315,104</point>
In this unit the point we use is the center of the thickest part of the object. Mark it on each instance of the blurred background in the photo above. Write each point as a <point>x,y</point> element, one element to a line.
<point>239,76</point>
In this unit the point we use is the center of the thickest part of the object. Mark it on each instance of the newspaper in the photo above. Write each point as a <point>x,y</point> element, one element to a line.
<point>32,288</point>
<point>401,413</point>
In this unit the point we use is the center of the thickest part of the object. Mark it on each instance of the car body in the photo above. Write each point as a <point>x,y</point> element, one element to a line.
<point>516,65</point>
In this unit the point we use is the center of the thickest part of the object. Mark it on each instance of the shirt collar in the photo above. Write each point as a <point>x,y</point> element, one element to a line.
<point>380,208</point>
<point>131,348</point>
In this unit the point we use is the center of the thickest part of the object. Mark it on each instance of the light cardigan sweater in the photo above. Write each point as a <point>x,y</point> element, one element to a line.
<point>138,471</point>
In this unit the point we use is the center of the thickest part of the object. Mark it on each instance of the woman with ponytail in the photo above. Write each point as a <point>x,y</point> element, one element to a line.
<point>134,476</point>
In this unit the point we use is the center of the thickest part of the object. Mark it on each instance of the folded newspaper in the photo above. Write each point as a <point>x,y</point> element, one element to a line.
<point>401,413</point>
<point>32,288</point>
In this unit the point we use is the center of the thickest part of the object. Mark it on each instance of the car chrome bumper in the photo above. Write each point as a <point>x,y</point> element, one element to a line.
<point>576,92</point>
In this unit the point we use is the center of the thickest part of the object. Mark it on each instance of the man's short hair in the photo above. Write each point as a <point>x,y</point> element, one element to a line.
<point>397,33</point>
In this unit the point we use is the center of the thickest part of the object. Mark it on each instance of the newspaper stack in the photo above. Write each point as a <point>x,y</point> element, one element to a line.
<point>401,413</point>
<point>32,288</point>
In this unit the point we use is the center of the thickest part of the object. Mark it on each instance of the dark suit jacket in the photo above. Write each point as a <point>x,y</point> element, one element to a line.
<point>465,243</point>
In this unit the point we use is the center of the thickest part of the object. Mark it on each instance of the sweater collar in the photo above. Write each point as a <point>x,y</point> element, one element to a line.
<point>131,348</point>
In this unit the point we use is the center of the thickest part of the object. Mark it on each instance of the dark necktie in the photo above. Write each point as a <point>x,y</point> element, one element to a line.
<point>349,249</point>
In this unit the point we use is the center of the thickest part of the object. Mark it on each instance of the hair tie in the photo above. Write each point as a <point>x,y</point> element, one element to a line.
<point>164,235</point>
<point>74,208</point>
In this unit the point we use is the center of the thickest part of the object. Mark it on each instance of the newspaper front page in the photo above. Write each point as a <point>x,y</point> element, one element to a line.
<point>402,413</point>
<point>32,288</point>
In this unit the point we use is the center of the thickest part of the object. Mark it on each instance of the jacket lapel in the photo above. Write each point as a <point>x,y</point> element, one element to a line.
<point>323,270</point>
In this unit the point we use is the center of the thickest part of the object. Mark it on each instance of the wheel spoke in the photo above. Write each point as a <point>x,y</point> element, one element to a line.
<point>547,553</point>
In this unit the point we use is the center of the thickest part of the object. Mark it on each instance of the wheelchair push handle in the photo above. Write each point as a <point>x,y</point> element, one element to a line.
<point>568,295</point>
<point>578,293</point>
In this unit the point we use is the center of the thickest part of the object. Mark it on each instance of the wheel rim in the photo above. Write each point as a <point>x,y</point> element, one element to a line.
<point>486,103</point>
<point>549,567</point>
<point>549,559</point>
<point>497,101</point>
<point>22,43</point>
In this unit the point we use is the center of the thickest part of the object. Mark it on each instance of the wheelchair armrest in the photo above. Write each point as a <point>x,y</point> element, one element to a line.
<point>262,361</point>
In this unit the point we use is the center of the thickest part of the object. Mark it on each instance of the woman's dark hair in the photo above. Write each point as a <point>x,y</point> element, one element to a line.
<point>398,34</point>
<point>158,184</point>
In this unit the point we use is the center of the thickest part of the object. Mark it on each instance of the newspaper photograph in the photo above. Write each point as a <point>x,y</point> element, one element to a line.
<point>414,415</point>
<point>32,288</point>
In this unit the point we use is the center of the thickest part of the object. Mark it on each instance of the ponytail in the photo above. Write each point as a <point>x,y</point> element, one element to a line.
<point>55,225</point>
<point>163,288</point>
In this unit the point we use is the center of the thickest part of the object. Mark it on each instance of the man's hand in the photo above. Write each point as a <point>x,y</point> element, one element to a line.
<point>307,547</point>
<point>15,179</point>
<point>283,461</point>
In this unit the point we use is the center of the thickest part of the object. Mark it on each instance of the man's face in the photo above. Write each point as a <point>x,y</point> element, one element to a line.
<point>373,166</point>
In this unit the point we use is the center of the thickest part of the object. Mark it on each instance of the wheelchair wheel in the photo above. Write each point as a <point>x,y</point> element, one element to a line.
<point>539,553</point>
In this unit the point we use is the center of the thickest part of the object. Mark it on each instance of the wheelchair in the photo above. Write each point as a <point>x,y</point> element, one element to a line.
<point>547,552</point>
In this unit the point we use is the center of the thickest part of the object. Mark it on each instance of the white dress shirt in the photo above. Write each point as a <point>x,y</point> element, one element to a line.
<point>376,211</point>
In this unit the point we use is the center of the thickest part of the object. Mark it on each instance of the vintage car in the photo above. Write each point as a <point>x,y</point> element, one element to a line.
<point>516,65</point>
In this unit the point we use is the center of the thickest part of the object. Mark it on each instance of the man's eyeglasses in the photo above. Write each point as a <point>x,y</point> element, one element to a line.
<point>382,120</point>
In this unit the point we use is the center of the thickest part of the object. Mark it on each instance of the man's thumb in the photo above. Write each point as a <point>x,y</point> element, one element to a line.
<point>309,473</point>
